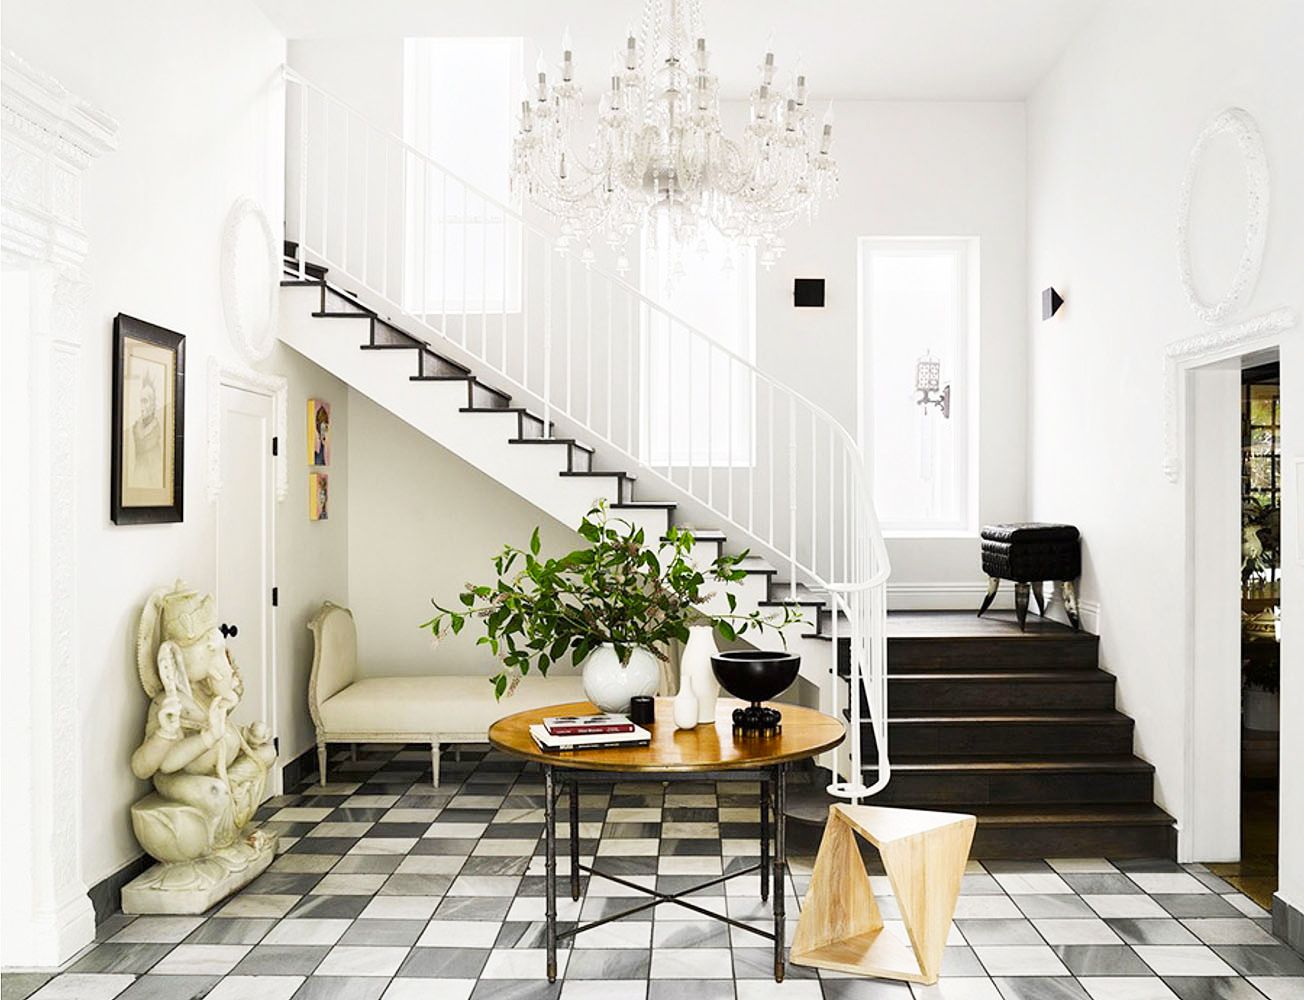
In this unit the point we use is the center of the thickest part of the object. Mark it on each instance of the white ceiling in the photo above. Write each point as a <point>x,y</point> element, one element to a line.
<point>869,49</point>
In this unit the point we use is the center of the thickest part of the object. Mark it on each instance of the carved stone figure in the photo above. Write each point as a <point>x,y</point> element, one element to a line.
<point>208,773</point>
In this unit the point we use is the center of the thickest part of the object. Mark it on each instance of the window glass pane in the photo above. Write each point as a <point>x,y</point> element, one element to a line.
<point>458,105</point>
<point>696,392</point>
<point>915,297</point>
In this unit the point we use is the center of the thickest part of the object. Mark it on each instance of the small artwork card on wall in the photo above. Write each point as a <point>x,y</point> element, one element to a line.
<point>148,423</point>
<point>319,432</point>
<point>318,496</point>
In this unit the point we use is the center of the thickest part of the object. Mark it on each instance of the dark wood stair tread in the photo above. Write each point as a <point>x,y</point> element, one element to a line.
<point>1025,764</point>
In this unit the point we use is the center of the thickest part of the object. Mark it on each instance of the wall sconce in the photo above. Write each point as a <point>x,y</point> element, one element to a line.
<point>928,383</point>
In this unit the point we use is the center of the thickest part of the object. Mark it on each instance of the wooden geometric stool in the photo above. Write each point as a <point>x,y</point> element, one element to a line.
<point>924,854</point>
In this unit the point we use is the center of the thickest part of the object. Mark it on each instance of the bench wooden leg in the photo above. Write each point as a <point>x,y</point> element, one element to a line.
<point>321,762</point>
<point>434,761</point>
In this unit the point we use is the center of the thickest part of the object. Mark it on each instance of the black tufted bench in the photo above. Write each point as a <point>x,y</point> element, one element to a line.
<point>1031,554</point>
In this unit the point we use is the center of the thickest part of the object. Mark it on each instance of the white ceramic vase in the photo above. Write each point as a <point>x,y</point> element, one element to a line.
<point>610,684</point>
<point>695,670</point>
<point>685,707</point>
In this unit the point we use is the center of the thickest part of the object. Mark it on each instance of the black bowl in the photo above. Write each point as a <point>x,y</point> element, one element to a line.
<point>755,675</point>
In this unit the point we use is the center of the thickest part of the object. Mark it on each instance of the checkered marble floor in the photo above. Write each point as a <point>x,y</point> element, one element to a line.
<point>387,887</point>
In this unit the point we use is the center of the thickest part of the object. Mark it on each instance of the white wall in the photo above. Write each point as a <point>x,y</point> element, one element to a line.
<point>907,169</point>
<point>1109,132</point>
<point>422,524</point>
<point>194,89</point>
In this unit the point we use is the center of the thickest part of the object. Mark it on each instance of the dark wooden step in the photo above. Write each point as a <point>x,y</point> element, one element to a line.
<point>1092,831</point>
<point>942,781</point>
<point>996,734</point>
<point>1004,691</point>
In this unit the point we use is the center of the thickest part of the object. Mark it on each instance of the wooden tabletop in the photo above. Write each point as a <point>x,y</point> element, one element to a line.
<point>806,733</point>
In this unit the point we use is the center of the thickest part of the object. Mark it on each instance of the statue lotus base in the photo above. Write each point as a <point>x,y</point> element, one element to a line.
<point>184,887</point>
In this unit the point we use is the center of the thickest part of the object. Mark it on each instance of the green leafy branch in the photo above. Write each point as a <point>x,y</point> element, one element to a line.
<point>617,590</point>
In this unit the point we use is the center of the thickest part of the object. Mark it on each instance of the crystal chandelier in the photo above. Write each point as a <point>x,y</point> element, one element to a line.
<point>660,148</point>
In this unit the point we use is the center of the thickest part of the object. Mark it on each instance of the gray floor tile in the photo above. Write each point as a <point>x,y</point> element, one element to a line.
<point>1041,988</point>
<point>169,988</point>
<point>1101,960</point>
<point>609,963</point>
<point>281,960</point>
<point>136,958</point>
<point>444,963</point>
<point>1261,959</point>
<point>231,930</point>
<point>341,988</point>
<point>1212,988</point>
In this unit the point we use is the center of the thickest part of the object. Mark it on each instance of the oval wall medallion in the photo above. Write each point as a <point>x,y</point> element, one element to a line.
<point>1240,125</point>
<point>251,269</point>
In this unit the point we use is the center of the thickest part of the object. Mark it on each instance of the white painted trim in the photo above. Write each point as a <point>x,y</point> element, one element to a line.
<point>963,595</point>
<point>275,386</point>
<point>1258,333</point>
<point>49,138</point>
<point>1241,124</point>
<point>253,346</point>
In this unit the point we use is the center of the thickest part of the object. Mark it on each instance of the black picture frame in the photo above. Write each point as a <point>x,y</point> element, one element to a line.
<point>138,345</point>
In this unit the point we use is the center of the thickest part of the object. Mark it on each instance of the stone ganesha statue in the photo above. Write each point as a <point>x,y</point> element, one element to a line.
<point>209,774</point>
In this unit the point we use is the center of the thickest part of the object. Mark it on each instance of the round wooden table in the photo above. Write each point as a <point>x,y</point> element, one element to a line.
<point>706,753</point>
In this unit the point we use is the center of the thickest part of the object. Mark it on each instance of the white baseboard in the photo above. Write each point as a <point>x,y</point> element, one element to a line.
<point>958,596</point>
<point>966,595</point>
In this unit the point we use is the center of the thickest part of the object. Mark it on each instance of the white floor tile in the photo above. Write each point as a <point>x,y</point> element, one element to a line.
<point>1168,882</point>
<point>604,989</point>
<point>83,986</point>
<point>768,989</point>
<point>361,960</point>
<point>200,960</point>
<point>256,988</point>
<point>1246,905</point>
<point>1081,866</point>
<point>692,963</point>
<point>484,885</point>
<point>1125,905</point>
<point>401,907</point>
<point>1025,882</point>
<point>301,814</point>
<point>505,848</point>
<point>455,830</point>
<point>689,865</point>
<point>985,908</point>
<point>1126,988</point>
<point>1280,987</point>
<point>958,988</point>
<point>429,989</point>
<point>628,847</point>
<point>258,905</point>
<point>1076,930</point>
<point>383,845</point>
<point>157,930</point>
<point>309,930</point>
<point>620,934</point>
<point>521,963</point>
<point>1183,960</point>
<point>532,908</point>
<point>460,934</point>
<point>336,884</point>
<point>1020,960</point>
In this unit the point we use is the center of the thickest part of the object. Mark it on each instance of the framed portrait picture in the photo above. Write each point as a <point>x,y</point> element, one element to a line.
<point>149,409</point>
<point>319,432</point>
<point>318,496</point>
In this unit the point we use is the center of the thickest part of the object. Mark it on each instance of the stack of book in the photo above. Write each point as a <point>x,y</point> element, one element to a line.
<point>588,732</point>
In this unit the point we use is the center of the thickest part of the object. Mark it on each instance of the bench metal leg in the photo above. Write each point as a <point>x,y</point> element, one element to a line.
<point>992,584</point>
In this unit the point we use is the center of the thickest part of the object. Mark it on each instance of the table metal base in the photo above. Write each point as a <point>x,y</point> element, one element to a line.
<point>772,780</point>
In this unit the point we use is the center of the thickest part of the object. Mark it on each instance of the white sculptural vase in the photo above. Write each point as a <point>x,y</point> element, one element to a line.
<point>684,707</point>
<point>695,670</point>
<point>610,684</point>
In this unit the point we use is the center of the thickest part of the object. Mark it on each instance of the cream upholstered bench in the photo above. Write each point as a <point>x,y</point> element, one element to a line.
<point>346,708</point>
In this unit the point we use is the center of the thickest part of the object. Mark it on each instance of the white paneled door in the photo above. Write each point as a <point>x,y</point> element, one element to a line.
<point>245,550</point>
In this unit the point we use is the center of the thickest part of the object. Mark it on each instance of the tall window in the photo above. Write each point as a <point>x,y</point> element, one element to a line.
<point>462,253</point>
<point>919,333</point>
<point>698,408</point>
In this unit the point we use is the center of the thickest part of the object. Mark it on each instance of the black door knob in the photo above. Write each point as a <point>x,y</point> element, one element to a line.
<point>228,631</point>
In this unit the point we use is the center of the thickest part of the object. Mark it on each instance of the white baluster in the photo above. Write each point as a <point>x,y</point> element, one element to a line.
<point>547,343</point>
<point>792,497</point>
<point>303,182</point>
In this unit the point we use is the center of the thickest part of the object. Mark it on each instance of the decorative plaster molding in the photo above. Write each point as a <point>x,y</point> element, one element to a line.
<point>1215,345</point>
<point>243,378</point>
<point>49,138</point>
<point>253,346</point>
<point>1242,126</point>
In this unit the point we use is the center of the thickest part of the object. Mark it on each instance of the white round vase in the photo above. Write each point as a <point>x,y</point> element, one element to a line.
<point>610,685</point>
<point>695,670</point>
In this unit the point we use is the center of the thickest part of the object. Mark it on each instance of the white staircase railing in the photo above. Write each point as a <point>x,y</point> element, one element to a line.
<point>597,358</point>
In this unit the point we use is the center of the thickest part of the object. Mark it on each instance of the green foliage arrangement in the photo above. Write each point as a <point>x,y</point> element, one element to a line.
<point>616,590</point>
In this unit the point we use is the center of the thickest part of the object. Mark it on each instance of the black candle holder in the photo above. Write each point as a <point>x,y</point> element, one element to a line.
<point>757,720</point>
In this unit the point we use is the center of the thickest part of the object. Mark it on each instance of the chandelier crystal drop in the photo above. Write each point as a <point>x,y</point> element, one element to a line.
<point>660,149</point>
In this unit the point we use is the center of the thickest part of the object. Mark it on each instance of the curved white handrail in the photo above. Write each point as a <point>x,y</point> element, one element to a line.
<point>527,328</point>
